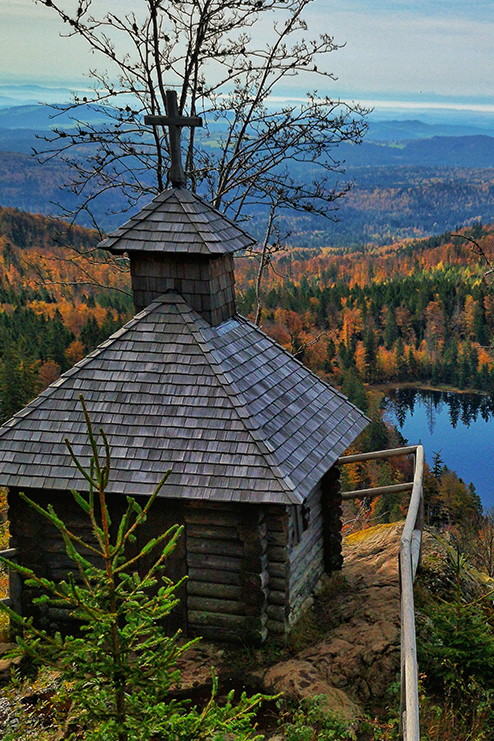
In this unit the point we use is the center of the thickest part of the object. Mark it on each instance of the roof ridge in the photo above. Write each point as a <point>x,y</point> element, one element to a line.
<point>247,417</point>
<point>122,230</point>
<point>197,197</point>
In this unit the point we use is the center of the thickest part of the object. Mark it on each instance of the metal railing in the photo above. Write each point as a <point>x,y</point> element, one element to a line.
<point>409,560</point>
<point>14,598</point>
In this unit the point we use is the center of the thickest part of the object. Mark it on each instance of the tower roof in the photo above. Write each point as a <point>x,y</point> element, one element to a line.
<point>181,222</point>
<point>233,414</point>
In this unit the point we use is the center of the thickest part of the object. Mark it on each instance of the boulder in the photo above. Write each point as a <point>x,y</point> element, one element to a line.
<point>298,680</point>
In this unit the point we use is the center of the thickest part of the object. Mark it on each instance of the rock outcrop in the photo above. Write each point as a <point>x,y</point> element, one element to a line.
<point>359,659</point>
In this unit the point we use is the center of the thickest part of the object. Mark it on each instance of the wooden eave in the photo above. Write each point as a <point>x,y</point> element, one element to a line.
<point>178,222</point>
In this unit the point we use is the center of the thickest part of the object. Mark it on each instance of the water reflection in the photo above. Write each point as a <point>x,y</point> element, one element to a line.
<point>466,408</point>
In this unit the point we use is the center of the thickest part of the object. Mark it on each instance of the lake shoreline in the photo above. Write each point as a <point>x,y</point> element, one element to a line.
<point>387,387</point>
<point>458,426</point>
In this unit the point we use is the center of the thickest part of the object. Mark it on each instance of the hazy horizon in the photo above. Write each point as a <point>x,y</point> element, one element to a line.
<point>450,110</point>
<point>430,58</point>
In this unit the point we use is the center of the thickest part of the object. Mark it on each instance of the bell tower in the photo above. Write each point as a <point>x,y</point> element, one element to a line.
<point>179,242</point>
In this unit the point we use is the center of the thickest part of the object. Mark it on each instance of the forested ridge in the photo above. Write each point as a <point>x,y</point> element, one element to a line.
<point>59,298</point>
<point>420,311</point>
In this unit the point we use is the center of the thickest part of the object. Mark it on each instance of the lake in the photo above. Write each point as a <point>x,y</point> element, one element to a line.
<point>460,427</point>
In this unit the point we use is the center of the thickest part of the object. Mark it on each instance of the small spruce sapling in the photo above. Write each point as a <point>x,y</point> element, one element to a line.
<point>117,670</point>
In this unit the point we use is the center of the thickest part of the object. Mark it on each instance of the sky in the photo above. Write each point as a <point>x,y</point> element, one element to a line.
<point>408,55</point>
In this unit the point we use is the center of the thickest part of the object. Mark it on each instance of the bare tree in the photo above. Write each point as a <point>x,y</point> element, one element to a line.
<point>251,155</point>
<point>209,51</point>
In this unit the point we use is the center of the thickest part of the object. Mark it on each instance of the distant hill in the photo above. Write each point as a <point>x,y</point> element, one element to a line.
<point>41,117</point>
<point>385,204</point>
<point>410,179</point>
<point>415,129</point>
<point>43,188</point>
<point>439,151</point>
<point>388,143</point>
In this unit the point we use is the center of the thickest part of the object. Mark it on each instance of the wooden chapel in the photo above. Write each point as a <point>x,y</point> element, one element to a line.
<point>251,436</point>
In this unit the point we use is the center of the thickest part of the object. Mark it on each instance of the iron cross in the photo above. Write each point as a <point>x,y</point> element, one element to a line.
<point>174,121</point>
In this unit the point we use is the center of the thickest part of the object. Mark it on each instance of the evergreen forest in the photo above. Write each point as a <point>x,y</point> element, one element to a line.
<point>418,313</point>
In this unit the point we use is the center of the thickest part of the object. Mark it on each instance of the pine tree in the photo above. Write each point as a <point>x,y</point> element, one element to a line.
<point>118,669</point>
<point>370,357</point>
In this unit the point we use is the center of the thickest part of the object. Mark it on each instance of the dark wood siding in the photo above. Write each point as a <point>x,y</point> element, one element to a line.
<point>306,551</point>
<point>227,559</point>
<point>331,505</point>
<point>278,568</point>
<point>41,547</point>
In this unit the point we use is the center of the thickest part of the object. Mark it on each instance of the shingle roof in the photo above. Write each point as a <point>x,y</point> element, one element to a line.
<point>178,221</point>
<point>232,414</point>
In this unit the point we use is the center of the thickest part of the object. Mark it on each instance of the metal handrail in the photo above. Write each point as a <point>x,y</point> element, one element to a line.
<point>13,600</point>
<point>409,560</point>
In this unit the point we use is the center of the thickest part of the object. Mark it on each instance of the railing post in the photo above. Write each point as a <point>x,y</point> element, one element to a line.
<point>15,591</point>
<point>409,560</point>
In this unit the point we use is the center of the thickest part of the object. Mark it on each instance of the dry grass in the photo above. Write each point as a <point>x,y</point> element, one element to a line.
<point>368,532</point>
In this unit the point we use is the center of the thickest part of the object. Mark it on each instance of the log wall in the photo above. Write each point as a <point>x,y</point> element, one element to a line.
<point>41,548</point>
<point>227,583</point>
<point>250,567</point>
<point>306,552</point>
<point>278,568</point>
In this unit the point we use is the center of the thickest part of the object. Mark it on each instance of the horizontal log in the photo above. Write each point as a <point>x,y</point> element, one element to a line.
<point>200,618</point>
<point>311,539</point>
<point>277,538</point>
<point>278,584</point>
<point>208,604</point>
<point>278,570</point>
<point>254,564</point>
<point>275,509</point>
<point>252,581</point>
<point>301,571</point>
<point>51,546</point>
<point>277,598</point>
<point>306,547</point>
<point>305,564</point>
<point>236,635</point>
<point>276,612</point>
<point>310,576</point>
<point>302,590</point>
<point>203,560</point>
<point>276,627</point>
<point>277,524</point>
<point>344,459</point>
<point>213,576</point>
<point>213,517</point>
<point>215,547</point>
<point>215,532</point>
<point>300,609</point>
<point>277,553</point>
<point>376,491</point>
<point>223,591</point>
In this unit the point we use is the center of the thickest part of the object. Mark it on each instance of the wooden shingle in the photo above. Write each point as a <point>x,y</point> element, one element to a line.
<point>178,221</point>
<point>171,391</point>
